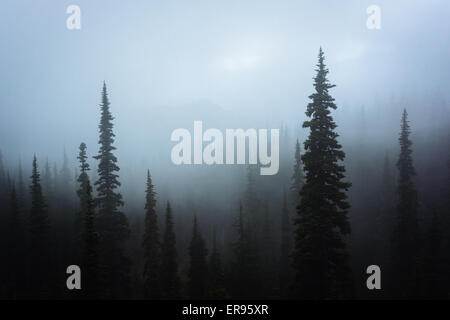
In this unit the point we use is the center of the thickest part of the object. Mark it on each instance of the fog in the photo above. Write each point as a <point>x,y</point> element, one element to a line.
<point>231,64</point>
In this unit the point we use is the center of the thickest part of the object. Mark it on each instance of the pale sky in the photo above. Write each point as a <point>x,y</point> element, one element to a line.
<point>236,63</point>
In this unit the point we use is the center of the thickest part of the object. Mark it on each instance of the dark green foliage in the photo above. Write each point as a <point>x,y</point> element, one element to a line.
<point>320,258</point>
<point>112,223</point>
<point>170,281</point>
<point>216,280</point>
<point>39,263</point>
<point>406,240</point>
<point>151,245</point>
<point>198,267</point>
<point>87,233</point>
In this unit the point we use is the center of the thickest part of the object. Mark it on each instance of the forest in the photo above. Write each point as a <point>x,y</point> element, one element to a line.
<point>307,232</point>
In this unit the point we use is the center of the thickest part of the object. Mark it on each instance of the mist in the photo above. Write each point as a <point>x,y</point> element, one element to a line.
<point>230,64</point>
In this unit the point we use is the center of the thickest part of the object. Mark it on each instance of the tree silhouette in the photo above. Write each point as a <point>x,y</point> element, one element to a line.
<point>112,223</point>
<point>320,258</point>
<point>40,268</point>
<point>151,244</point>
<point>406,239</point>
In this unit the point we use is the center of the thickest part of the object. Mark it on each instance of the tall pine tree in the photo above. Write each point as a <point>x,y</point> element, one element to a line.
<point>320,257</point>
<point>405,242</point>
<point>151,244</point>
<point>112,223</point>
<point>39,263</point>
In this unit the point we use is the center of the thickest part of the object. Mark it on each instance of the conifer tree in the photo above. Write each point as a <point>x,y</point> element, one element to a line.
<point>112,223</point>
<point>198,266</point>
<point>405,241</point>
<point>170,281</point>
<point>151,245</point>
<point>217,287</point>
<point>320,257</point>
<point>87,233</point>
<point>39,238</point>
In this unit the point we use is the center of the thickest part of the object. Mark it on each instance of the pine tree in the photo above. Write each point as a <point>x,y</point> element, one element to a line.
<point>112,224</point>
<point>151,245</point>
<point>320,257</point>
<point>39,238</point>
<point>285,271</point>
<point>86,225</point>
<point>405,241</point>
<point>297,176</point>
<point>217,288</point>
<point>198,266</point>
<point>170,281</point>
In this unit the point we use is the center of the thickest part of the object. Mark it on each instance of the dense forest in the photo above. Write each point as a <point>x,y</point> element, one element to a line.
<point>308,232</point>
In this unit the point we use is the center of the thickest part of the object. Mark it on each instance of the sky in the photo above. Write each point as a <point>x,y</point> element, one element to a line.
<point>229,63</point>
